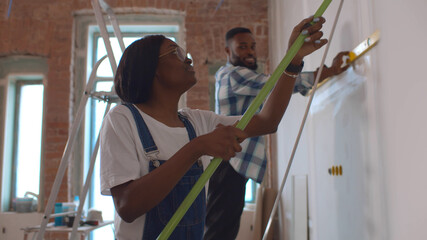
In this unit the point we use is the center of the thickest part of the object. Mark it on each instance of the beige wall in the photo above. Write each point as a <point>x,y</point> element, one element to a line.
<point>384,177</point>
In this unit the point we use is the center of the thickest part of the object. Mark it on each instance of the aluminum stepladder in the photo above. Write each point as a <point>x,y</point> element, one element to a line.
<point>109,97</point>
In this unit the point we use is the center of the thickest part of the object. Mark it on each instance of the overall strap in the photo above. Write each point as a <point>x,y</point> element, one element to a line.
<point>190,129</point>
<point>143,132</point>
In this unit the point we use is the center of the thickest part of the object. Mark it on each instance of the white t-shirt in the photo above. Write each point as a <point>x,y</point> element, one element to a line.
<point>123,158</point>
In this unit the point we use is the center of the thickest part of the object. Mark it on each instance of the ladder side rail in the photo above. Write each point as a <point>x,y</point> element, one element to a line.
<point>114,22</point>
<point>104,33</point>
<point>83,194</point>
<point>76,125</point>
<point>88,180</point>
<point>67,154</point>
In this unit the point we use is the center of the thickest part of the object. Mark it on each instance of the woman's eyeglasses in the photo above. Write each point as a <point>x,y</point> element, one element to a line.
<point>178,51</point>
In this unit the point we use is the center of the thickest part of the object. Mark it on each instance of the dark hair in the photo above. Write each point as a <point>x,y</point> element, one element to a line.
<point>137,68</point>
<point>230,34</point>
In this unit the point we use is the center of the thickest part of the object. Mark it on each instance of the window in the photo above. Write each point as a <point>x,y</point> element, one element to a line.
<point>23,138</point>
<point>251,187</point>
<point>96,109</point>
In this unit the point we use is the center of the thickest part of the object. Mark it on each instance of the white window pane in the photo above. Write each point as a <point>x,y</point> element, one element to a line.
<point>100,105</point>
<point>29,140</point>
<point>104,69</point>
<point>128,40</point>
<point>249,195</point>
<point>104,203</point>
<point>104,86</point>
<point>251,187</point>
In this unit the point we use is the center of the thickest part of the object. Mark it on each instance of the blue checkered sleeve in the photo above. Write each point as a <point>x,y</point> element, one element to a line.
<point>248,82</point>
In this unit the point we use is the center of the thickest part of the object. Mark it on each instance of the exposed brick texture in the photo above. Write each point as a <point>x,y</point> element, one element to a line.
<point>44,28</point>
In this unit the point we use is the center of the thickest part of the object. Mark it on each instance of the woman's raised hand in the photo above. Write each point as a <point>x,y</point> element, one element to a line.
<point>313,40</point>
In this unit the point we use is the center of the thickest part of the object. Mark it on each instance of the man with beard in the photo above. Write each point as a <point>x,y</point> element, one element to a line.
<point>237,84</point>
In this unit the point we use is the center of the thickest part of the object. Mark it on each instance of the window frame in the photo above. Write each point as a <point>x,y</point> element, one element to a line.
<point>19,84</point>
<point>10,67</point>
<point>11,83</point>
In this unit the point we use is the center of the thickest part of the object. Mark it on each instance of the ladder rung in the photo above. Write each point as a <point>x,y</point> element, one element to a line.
<point>62,214</point>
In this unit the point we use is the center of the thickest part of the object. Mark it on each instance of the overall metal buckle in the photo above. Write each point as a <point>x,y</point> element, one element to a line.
<point>153,156</point>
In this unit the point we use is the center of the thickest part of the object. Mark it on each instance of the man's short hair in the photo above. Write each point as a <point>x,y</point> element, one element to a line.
<point>230,34</point>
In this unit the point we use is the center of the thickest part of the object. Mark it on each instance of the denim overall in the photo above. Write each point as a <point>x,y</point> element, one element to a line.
<point>192,224</point>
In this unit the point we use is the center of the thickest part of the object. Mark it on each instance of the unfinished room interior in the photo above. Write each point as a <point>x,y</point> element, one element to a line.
<point>344,163</point>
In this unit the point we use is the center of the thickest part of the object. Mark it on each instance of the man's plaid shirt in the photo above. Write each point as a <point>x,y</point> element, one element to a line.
<point>236,87</point>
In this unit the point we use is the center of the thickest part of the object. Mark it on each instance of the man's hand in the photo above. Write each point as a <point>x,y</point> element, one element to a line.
<point>337,64</point>
<point>336,68</point>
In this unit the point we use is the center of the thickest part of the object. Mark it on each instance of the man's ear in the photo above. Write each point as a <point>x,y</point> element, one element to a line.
<point>227,51</point>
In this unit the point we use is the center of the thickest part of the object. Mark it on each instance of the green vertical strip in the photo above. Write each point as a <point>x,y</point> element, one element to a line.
<point>2,127</point>
<point>9,123</point>
<point>2,109</point>
<point>259,99</point>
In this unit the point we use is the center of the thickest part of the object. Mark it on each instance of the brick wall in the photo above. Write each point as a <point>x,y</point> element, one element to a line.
<point>44,28</point>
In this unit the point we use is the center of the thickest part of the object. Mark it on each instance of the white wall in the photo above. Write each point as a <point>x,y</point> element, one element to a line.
<point>246,225</point>
<point>403,115</point>
<point>279,30</point>
<point>376,130</point>
<point>11,224</point>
